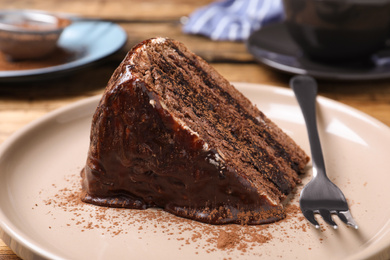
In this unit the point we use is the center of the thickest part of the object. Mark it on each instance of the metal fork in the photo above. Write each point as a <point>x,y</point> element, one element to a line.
<point>320,195</point>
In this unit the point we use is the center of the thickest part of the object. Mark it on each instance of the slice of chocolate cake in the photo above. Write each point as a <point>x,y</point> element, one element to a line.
<point>170,132</point>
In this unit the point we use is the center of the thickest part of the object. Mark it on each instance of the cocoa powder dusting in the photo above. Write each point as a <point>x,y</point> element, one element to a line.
<point>227,240</point>
<point>206,238</point>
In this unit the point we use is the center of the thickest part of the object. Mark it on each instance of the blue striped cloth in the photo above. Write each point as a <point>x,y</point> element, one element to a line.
<point>233,20</point>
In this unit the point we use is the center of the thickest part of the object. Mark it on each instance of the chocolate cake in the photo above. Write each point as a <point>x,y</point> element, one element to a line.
<point>170,132</point>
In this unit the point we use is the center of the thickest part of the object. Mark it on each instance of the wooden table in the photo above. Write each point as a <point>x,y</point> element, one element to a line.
<point>21,103</point>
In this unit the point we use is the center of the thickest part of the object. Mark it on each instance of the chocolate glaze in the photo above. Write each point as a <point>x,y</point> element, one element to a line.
<point>144,153</point>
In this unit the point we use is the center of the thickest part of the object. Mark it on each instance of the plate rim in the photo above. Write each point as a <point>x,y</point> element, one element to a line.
<point>26,248</point>
<point>23,247</point>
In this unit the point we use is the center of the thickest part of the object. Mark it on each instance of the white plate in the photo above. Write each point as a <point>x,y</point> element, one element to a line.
<point>89,41</point>
<point>44,159</point>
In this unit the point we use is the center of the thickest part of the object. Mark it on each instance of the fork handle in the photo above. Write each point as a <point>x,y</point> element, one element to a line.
<point>305,89</point>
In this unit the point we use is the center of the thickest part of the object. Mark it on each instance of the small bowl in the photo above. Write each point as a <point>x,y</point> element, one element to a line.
<point>27,34</point>
<point>338,30</point>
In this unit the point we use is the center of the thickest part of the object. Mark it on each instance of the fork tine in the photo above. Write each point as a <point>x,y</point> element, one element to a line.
<point>346,217</point>
<point>325,214</point>
<point>309,215</point>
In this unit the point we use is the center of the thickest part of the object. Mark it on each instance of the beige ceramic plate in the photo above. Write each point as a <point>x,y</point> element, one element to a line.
<point>39,167</point>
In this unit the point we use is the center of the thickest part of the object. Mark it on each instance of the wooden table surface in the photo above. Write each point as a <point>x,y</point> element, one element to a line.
<point>21,103</point>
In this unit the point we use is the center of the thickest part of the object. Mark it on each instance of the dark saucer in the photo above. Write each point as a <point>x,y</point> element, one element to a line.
<point>273,46</point>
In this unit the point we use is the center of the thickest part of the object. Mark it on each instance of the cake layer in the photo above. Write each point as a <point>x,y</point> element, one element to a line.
<point>199,97</point>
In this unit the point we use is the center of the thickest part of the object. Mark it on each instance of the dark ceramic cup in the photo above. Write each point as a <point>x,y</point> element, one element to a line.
<point>338,30</point>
